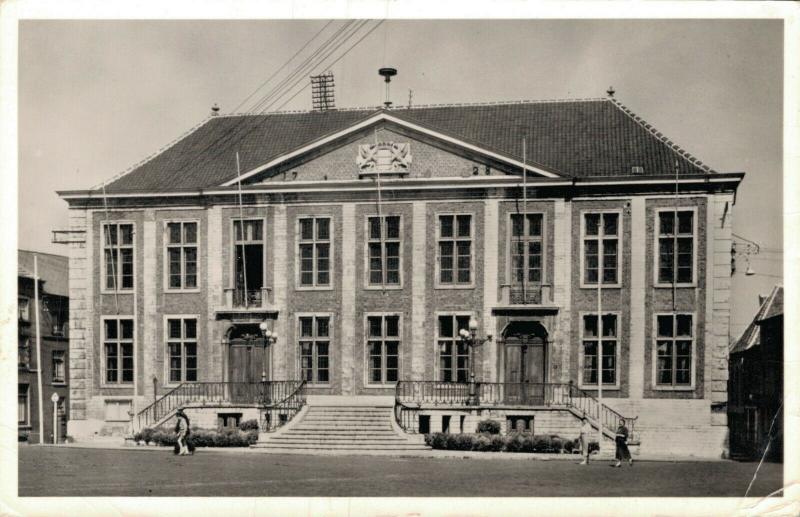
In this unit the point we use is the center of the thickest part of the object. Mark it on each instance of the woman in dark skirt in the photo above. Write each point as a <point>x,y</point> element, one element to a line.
<point>621,440</point>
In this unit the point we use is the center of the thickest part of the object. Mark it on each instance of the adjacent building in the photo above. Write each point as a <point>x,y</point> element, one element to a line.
<point>756,383</point>
<point>364,240</point>
<point>52,320</point>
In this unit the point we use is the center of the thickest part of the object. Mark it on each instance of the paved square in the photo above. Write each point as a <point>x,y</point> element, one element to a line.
<point>49,471</point>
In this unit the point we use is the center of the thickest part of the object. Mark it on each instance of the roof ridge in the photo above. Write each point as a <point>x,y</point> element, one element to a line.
<point>661,136</point>
<point>151,156</point>
<point>422,106</point>
<point>43,253</point>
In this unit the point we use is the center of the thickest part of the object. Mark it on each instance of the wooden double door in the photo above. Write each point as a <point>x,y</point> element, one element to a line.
<point>525,368</point>
<point>248,365</point>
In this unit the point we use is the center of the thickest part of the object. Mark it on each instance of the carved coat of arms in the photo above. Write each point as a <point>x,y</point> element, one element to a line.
<point>384,157</point>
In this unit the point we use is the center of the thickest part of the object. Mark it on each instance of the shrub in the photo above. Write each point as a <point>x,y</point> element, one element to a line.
<point>528,443</point>
<point>251,436</point>
<point>514,442</point>
<point>23,436</point>
<point>556,444</point>
<point>569,446</point>
<point>439,441</point>
<point>429,439</point>
<point>594,446</point>
<point>147,435</point>
<point>541,443</point>
<point>249,425</point>
<point>497,443</point>
<point>482,443</point>
<point>489,426</point>
<point>460,442</point>
<point>137,437</point>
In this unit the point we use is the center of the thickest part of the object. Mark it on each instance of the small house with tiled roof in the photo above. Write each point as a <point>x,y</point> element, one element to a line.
<point>529,262</point>
<point>756,383</point>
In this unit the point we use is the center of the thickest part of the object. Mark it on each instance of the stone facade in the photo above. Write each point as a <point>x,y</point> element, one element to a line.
<point>418,299</point>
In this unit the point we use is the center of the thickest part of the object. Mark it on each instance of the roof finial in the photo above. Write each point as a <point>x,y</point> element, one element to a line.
<point>214,110</point>
<point>387,74</point>
<point>611,92</point>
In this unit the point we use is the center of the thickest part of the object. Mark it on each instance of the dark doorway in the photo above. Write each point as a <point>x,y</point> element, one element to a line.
<point>525,362</point>
<point>249,262</point>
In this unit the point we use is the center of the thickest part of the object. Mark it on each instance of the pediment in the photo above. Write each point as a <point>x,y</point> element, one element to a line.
<point>388,147</point>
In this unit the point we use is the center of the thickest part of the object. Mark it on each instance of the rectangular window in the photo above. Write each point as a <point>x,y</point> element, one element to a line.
<point>117,410</point>
<point>248,252</point>
<point>23,305</point>
<point>526,248</point>
<point>595,334</point>
<point>674,336</point>
<point>383,241</point>
<point>676,247</point>
<point>182,345</point>
<point>59,366</point>
<point>601,247</point>
<point>181,252</point>
<point>118,350</point>
<point>24,353</point>
<point>383,345</point>
<point>23,406</point>
<point>453,352</point>
<point>455,249</point>
<point>315,251</point>
<point>315,343</point>
<point>118,256</point>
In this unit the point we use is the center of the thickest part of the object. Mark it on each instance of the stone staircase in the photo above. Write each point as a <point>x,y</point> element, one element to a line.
<point>342,424</point>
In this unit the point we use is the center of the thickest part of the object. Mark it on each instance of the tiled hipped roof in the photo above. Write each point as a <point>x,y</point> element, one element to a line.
<point>580,138</point>
<point>771,306</point>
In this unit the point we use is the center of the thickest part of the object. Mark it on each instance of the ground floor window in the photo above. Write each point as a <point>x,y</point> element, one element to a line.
<point>182,344</point>
<point>229,420</point>
<point>315,349</point>
<point>674,338</point>
<point>597,332</point>
<point>23,405</point>
<point>383,347</point>
<point>118,349</point>
<point>117,410</point>
<point>453,352</point>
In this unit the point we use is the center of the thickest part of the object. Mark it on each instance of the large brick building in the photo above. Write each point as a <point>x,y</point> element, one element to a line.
<point>366,239</point>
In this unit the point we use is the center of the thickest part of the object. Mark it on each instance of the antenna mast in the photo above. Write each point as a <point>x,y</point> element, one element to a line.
<point>322,97</point>
<point>387,74</point>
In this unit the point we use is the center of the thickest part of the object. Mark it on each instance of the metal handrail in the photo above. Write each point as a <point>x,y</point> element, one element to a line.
<point>282,411</point>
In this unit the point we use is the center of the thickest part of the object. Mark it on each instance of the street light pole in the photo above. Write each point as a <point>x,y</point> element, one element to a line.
<point>471,339</point>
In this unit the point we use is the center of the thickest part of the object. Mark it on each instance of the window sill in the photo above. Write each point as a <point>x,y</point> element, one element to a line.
<point>313,288</point>
<point>122,291</point>
<point>25,426</point>
<point>380,386</point>
<point>60,384</point>
<point>127,386</point>
<point>383,288</point>
<point>678,286</point>
<point>593,387</point>
<point>446,287</point>
<point>673,388</point>
<point>182,291</point>
<point>317,385</point>
<point>604,286</point>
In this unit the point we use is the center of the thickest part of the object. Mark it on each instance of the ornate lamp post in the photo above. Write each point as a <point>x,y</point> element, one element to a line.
<point>270,337</point>
<point>471,339</point>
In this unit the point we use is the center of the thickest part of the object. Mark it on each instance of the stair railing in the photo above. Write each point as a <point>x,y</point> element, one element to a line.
<point>283,404</point>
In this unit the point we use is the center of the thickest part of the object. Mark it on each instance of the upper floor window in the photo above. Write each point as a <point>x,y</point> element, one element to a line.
<point>118,256</point>
<point>383,346</point>
<point>182,347</point>
<point>674,346</point>
<point>59,366</point>
<point>24,353</point>
<point>23,405</point>
<point>383,241</point>
<point>596,335</point>
<point>315,349</point>
<point>248,250</point>
<point>601,247</point>
<point>118,350</point>
<point>526,248</point>
<point>182,255</point>
<point>315,251</point>
<point>676,246</point>
<point>24,308</point>
<point>455,249</point>
<point>453,352</point>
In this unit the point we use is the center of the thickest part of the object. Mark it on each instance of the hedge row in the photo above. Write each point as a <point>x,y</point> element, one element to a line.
<point>199,438</point>
<point>514,442</point>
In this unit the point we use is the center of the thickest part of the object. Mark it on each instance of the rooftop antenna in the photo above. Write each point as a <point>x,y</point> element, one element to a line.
<point>322,91</point>
<point>387,74</point>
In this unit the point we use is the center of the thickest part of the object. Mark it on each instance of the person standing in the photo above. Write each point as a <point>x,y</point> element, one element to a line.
<point>621,440</point>
<point>182,428</point>
<point>586,435</point>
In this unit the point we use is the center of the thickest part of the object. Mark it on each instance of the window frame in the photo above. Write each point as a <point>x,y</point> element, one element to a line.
<point>314,286</point>
<point>27,306</point>
<point>103,364</point>
<point>582,238</point>
<point>166,246</point>
<point>368,383</point>
<point>25,344</point>
<point>63,379</point>
<point>167,357</point>
<point>509,273</point>
<point>26,422</point>
<point>103,273</point>
<point>401,251</point>
<point>438,284</point>
<point>437,370</point>
<point>617,352</point>
<point>656,254</point>
<point>117,401</point>
<point>654,352</point>
<point>330,339</point>
<point>232,248</point>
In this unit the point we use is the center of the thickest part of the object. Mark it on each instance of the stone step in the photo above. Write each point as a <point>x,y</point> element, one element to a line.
<point>333,439</point>
<point>351,447</point>
<point>337,432</point>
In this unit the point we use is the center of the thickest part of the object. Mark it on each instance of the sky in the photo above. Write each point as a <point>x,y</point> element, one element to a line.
<point>96,97</point>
